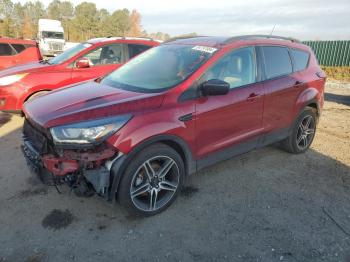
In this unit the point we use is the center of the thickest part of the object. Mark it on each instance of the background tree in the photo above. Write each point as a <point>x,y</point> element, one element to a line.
<point>33,11</point>
<point>120,23</point>
<point>64,12</point>
<point>85,21</point>
<point>103,17</point>
<point>6,25</point>
<point>18,20</point>
<point>160,36</point>
<point>135,24</point>
<point>80,23</point>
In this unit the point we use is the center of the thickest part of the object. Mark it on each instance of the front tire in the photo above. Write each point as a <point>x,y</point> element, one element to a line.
<point>152,180</point>
<point>303,132</point>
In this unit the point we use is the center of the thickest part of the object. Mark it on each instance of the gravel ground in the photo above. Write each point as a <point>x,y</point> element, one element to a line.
<point>266,205</point>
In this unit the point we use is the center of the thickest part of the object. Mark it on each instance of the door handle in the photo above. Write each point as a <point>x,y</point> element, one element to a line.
<point>186,118</point>
<point>253,96</point>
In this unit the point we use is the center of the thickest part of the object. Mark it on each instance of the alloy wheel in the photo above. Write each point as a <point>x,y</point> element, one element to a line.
<point>154,183</point>
<point>306,131</point>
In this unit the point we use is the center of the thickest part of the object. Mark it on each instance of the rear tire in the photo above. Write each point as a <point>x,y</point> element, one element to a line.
<point>152,180</point>
<point>303,132</point>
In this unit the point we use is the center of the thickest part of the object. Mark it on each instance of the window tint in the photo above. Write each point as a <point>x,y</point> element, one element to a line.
<point>18,48</point>
<point>237,69</point>
<point>300,58</point>
<point>277,61</point>
<point>6,50</point>
<point>134,50</point>
<point>109,54</point>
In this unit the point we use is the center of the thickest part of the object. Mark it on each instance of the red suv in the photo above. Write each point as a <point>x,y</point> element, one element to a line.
<point>137,133</point>
<point>16,51</point>
<point>84,61</point>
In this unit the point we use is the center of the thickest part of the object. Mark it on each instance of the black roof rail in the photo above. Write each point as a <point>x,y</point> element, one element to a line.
<point>247,37</point>
<point>181,37</point>
<point>133,37</point>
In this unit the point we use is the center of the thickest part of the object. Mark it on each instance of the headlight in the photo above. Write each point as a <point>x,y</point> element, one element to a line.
<point>88,132</point>
<point>8,80</point>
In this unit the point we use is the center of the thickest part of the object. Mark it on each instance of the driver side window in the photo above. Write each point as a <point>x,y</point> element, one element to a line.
<point>108,54</point>
<point>238,68</point>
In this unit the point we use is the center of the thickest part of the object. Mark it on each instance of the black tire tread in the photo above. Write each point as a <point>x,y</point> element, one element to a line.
<point>288,144</point>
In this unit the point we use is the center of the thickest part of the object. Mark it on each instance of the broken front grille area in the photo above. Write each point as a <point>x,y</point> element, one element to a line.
<point>37,139</point>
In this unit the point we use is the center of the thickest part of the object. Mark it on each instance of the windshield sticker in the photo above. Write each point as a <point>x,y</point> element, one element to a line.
<point>206,49</point>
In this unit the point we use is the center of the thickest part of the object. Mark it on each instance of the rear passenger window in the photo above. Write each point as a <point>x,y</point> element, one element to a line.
<point>300,59</point>
<point>6,50</point>
<point>134,50</point>
<point>18,48</point>
<point>277,61</point>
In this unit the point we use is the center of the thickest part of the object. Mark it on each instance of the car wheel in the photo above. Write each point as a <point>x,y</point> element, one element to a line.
<point>152,180</point>
<point>303,132</point>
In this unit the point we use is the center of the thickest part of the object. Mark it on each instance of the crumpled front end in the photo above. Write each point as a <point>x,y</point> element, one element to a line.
<point>85,170</point>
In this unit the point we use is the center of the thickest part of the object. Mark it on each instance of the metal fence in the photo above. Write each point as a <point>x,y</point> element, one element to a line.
<point>331,53</point>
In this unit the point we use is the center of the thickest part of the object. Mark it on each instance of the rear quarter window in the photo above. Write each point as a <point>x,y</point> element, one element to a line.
<point>300,59</point>
<point>277,61</point>
<point>6,50</point>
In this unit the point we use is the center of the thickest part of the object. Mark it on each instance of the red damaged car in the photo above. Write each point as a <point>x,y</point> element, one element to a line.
<point>82,62</point>
<point>17,51</point>
<point>136,134</point>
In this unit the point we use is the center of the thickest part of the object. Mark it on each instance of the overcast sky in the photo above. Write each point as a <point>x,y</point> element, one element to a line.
<point>303,19</point>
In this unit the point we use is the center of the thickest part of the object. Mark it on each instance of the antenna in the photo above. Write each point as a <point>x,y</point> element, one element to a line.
<point>273,29</point>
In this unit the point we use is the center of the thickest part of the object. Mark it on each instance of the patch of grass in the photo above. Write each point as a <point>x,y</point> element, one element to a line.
<point>339,73</point>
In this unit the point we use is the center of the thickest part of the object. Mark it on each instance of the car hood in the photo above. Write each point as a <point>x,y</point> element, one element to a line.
<point>87,101</point>
<point>25,68</point>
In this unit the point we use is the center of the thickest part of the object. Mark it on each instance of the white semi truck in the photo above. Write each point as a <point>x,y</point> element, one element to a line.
<point>50,37</point>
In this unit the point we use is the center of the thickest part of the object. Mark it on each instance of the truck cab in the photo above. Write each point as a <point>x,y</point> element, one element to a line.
<point>50,37</point>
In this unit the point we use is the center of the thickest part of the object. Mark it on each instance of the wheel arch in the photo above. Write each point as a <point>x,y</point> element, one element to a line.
<point>178,144</point>
<point>33,94</point>
<point>308,98</point>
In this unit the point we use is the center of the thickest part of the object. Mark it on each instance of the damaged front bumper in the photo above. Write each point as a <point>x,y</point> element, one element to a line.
<point>84,170</point>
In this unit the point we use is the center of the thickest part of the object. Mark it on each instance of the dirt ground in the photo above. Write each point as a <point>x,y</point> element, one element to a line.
<point>266,205</point>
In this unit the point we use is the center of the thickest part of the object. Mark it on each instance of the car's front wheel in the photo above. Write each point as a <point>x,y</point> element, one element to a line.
<point>152,180</point>
<point>303,132</point>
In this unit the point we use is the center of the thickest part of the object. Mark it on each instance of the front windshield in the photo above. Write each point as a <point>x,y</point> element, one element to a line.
<point>53,35</point>
<point>159,68</point>
<point>69,53</point>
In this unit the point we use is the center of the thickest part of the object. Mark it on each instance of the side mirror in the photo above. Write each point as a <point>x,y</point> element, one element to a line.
<point>215,87</point>
<point>82,63</point>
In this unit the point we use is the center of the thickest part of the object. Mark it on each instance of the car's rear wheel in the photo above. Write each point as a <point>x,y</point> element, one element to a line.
<point>152,180</point>
<point>303,132</point>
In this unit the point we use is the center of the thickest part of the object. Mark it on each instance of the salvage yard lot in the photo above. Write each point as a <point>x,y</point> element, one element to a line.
<point>266,205</point>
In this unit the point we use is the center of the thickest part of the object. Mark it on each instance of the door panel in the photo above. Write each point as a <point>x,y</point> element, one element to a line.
<point>281,87</point>
<point>227,120</point>
<point>280,98</point>
<point>223,121</point>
